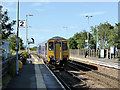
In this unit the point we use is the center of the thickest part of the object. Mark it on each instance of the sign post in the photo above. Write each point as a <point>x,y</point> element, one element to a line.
<point>17,64</point>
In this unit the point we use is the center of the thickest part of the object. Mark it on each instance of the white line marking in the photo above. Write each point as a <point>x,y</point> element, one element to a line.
<point>54,76</point>
<point>39,79</point>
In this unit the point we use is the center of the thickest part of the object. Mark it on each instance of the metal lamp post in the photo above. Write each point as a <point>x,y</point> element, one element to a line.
<point>88,30</point>
<point>17,65</point>
<point>27,31</point>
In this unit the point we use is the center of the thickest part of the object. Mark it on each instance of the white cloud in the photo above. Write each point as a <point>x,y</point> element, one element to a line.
<point>93,13</point>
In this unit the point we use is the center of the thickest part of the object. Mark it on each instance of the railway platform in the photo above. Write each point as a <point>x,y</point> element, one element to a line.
<point>115,63</point>
<point>36,75</point>
<point>107,66</point>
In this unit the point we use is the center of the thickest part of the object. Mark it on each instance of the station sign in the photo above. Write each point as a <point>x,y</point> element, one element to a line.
<point>21,23</point>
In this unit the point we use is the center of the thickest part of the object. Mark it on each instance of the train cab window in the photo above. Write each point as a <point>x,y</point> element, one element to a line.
<point>64,45</point>
<point>50,46</point>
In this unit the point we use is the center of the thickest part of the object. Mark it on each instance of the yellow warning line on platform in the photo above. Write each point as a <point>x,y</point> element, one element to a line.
<point>39,79</point>
<point>34,58</point>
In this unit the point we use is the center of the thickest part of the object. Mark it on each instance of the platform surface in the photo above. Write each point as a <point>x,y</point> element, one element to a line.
<point>25,79</point>
<point>34,75</point>
<point>101,61</point>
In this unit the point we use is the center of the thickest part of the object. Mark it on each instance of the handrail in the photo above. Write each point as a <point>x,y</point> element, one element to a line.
<point>5,65</point>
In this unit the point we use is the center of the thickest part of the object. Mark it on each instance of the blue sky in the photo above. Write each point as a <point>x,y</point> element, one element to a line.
<point>49,18</point>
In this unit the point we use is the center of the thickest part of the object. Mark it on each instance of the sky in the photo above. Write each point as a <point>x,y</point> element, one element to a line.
<point>50,18</point>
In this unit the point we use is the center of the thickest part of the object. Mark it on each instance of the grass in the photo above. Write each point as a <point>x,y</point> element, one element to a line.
<point>117,57</point>
<point>8,77</point>
<point>6,80</point>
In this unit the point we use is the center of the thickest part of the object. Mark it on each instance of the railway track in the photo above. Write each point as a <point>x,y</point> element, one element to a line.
<point>70,80</point>
<point>77,75</point>
<point>95,78</point>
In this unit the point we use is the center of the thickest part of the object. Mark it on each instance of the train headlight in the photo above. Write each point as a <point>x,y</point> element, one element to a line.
<point>51,56</point>
<point>65,56</point>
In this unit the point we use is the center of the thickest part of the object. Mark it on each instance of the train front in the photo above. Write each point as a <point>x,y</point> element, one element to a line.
<point>57,51</point>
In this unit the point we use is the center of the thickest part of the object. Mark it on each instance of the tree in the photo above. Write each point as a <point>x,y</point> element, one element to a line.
<point>6,27</point>
<point>13,40</point>
<point>92,41</point>
<point>118,33</point>
<point>107,35</point>
<point>113,37</point>
<point>33,49</point>
<point>72,43</point>
<point>81,40</point>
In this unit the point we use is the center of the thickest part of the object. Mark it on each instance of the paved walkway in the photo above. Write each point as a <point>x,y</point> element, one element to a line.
<point>102,61</point>
<point>34,75</point>
<point>29,77</point>
<point>25,79</point>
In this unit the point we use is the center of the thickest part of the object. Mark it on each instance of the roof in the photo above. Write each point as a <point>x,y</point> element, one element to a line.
<point>57,38</point>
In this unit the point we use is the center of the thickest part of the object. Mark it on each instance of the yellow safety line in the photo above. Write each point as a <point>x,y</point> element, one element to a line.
<point>34,58</point>
<point>39,79</point>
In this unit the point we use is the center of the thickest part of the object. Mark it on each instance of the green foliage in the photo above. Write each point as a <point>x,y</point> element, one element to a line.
<point>12,69</point>
<point>33,49</point>
<point>13,40</point>
<point>78,40</point>
<point>72,43</point>
<point>108,35</point>
<point>5,80</point>
<point>6,26</point>
<point>24,57</point>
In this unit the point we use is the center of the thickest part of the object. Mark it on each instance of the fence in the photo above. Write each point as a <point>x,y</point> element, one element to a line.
<point>5,65</point>
<point>91,52</point>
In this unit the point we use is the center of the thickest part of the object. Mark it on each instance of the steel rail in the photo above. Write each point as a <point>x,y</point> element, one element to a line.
<point>98,72</point>
<point>80,79</point>
<point>75,63</point>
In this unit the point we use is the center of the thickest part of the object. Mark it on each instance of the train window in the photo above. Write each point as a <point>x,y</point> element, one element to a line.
<point>50,46</point>
<point>64,45</point>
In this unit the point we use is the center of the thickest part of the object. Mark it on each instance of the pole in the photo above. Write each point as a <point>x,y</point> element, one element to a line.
<point>0,45</point>
<point>19,47</point>
<point>17,65</point>
<point>26,33</point>
<point>97,41</point>
<point>88,34</point>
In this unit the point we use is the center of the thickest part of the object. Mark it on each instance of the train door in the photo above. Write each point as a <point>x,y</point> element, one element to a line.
<point>57,48</point>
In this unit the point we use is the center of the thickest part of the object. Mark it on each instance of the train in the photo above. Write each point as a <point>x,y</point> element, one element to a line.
<point>55,51</point>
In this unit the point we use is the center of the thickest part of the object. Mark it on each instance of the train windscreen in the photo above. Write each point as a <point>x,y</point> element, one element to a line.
<point>64,45</point>
<point>50,46</point>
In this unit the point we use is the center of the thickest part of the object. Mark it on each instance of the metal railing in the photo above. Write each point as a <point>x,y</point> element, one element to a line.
<point>5,65</point>
<point>91,52</point>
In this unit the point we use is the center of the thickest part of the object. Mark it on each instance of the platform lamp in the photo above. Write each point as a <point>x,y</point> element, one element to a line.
<point>27,31</point>
<point>87,32</point>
